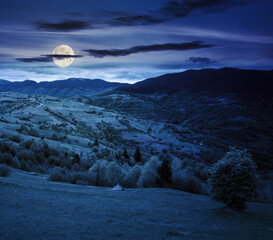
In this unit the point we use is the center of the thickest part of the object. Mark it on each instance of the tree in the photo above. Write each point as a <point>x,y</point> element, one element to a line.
<point>149,175</point>
<point>137,155</point>
<point>125,153</point>
<point>233,179</point>
<point>165,173</point>
<point>96,143</point>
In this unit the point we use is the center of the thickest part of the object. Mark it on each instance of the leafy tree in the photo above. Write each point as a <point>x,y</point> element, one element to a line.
<point>137,156</point>
<point>149,175</point>
<point>165,173</point>
<point>233,179</point>
<point>125,153</point>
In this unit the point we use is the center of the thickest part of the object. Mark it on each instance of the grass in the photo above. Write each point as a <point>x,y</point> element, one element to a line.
<point>33,208</point>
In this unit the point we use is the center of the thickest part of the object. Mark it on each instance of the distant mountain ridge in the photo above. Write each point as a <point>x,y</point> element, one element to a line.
<point>71,86</point>
<point>224,80</point>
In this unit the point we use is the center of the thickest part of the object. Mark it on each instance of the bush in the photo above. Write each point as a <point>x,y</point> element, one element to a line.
<point>6,158</point>
<point>187,182</point>
<point>26,155</point>
<point>80,178</point>
<point>15,138</point>
<point>58,175</point>
<point>26,144</point>
<point>184,179</point>
<point>113,174</point>
<point>4,170</point>
<point>95,149</point>
<point>132,177</point>
<point>233,179</point>
<point>13,149</point>
<point>149,175</point>
<point>86,162</point>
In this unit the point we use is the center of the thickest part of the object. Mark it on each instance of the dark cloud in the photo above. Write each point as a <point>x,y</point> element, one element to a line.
<point>172,9</point>
<point>64,26</point>
<point>135,20</point>
<point>148,48</point>
<point>46,58</point>
<point>183,8</point>
<point>200,60</point>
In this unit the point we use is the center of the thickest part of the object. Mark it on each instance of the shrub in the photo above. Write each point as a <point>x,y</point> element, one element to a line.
<point>95,149</point>
<point>4,170</point>
<point>80,178</point>
<point>187,182</point>
<point>183,178</point>
<point>15,163</point>
<point>233,179</point>
<point>15,138</point>
<point>58,175</point>
<point>26,144</point>
<point>13,149</point>
<point>113,174</point>
<point>6,158</point>
<point>149,174</point>
<point>25,165</point>
<point>86,162</point>
<point>132,177</point>
<point>75,167</point>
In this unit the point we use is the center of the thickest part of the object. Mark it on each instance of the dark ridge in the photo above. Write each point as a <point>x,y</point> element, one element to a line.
<point>224,80</point>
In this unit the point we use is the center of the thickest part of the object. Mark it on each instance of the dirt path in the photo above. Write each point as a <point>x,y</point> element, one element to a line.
<point>33,208</point>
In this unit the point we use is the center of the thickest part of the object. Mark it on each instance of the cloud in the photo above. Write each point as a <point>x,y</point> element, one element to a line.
<point>148,48</point>
<point>46,58</point>
<point>64,26</point>
<point>202,60</point>
<point>135,20</point>
<point>171,10</point>
<point>178,9</point>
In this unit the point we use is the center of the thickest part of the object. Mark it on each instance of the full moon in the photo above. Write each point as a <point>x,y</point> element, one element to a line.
<point>63,50</point>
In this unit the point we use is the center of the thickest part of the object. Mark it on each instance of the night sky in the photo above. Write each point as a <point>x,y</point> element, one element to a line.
<point>128,41</point>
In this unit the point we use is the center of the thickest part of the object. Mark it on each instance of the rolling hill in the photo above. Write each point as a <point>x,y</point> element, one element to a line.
<point>224,80</point>
<point>68,87</point>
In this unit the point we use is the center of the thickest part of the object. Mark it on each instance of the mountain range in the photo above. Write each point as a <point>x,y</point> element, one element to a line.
<point>68,87</point>
<point>224,80</point>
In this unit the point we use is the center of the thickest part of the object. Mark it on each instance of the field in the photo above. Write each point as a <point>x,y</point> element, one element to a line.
<point>33,208</point>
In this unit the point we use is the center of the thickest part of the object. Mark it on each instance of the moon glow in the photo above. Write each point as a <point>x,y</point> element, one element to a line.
<point>63,50</point>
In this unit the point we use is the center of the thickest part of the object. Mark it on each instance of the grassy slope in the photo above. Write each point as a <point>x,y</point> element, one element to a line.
<point>33,208</point>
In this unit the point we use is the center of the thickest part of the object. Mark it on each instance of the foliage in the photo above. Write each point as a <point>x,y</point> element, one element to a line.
<point>113,174</point>
<point>137,155</point>
<point>132,177</point>
<point>233,179</point>
<point>96,174</point>
<point>149,175</point>
<point>96,143</point>
<point>165,173</point>
<point>125,153</point>
<point>4,170</point>
<point>58,175</point>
